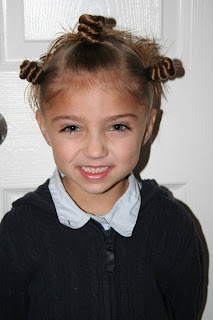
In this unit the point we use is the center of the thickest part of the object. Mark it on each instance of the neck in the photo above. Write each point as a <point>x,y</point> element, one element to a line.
<point>97,204</point>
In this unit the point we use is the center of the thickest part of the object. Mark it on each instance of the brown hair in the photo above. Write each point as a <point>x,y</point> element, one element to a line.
<point>99,54</point>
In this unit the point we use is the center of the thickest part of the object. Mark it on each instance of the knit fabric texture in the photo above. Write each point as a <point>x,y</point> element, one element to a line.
<point>49,271</point>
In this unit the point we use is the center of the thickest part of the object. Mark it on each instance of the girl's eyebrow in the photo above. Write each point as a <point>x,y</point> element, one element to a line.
<point>108,119</point>
<point>126,115</point>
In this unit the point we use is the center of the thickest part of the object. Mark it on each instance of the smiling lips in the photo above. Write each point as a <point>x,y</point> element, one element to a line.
<point>94,173</point>
<point>94,169</point>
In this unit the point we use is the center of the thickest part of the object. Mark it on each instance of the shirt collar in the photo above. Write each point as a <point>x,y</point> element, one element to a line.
<point>121,218</point>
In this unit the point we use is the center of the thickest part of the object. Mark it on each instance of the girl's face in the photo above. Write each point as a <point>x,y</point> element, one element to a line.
<point>96,136</point>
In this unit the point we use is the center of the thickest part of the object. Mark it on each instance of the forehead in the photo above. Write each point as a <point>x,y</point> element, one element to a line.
<point>93,102</point>
<point>114,83</point>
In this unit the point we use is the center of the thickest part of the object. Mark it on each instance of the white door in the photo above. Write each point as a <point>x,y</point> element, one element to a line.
<point>182,154</point>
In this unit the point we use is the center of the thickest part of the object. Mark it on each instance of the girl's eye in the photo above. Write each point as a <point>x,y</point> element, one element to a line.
<point>71,129</point>
<point>118,127</point>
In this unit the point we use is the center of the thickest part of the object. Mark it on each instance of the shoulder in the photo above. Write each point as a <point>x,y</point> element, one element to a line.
<point>41,194</point>
<point>161,203</point>
<point>31,208</point>
<point>170,226</point>
<point>24,228</point>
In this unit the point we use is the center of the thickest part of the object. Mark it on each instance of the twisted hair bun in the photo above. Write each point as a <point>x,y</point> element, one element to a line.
<point>162,71</point>
<point>91,28</point>
<point>31,71</point>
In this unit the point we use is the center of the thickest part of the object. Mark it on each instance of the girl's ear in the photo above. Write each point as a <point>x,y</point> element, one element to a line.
<point>149,126</point>
<point>41,122</point>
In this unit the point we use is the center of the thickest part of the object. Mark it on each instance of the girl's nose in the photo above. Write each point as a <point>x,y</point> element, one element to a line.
<point>95,147</point>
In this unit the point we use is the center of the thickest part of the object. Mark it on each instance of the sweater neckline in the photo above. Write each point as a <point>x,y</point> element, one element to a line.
<point>121,218</point>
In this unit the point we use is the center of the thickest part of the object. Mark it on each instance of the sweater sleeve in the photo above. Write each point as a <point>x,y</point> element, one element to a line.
<point>13,294</point>
<point>183,279</point>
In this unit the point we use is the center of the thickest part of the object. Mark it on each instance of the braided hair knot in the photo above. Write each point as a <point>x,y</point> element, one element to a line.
<point>162,71</point>
<point>91,28</point>
<point>31,71</point>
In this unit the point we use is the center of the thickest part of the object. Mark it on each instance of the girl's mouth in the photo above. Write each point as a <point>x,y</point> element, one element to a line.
<point>95,173</point>
<point>94,169</point>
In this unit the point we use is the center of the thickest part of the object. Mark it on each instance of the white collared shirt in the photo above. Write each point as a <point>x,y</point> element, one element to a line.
<point>121,218</point>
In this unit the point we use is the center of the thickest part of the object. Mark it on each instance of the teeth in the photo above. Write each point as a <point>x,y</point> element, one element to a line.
<point>94,170</point>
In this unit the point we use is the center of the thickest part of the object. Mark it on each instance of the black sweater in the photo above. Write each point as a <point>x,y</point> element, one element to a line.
<point>51,272</point>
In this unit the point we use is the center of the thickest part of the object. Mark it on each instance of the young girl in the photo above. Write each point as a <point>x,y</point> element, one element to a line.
<point>92,242</point>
